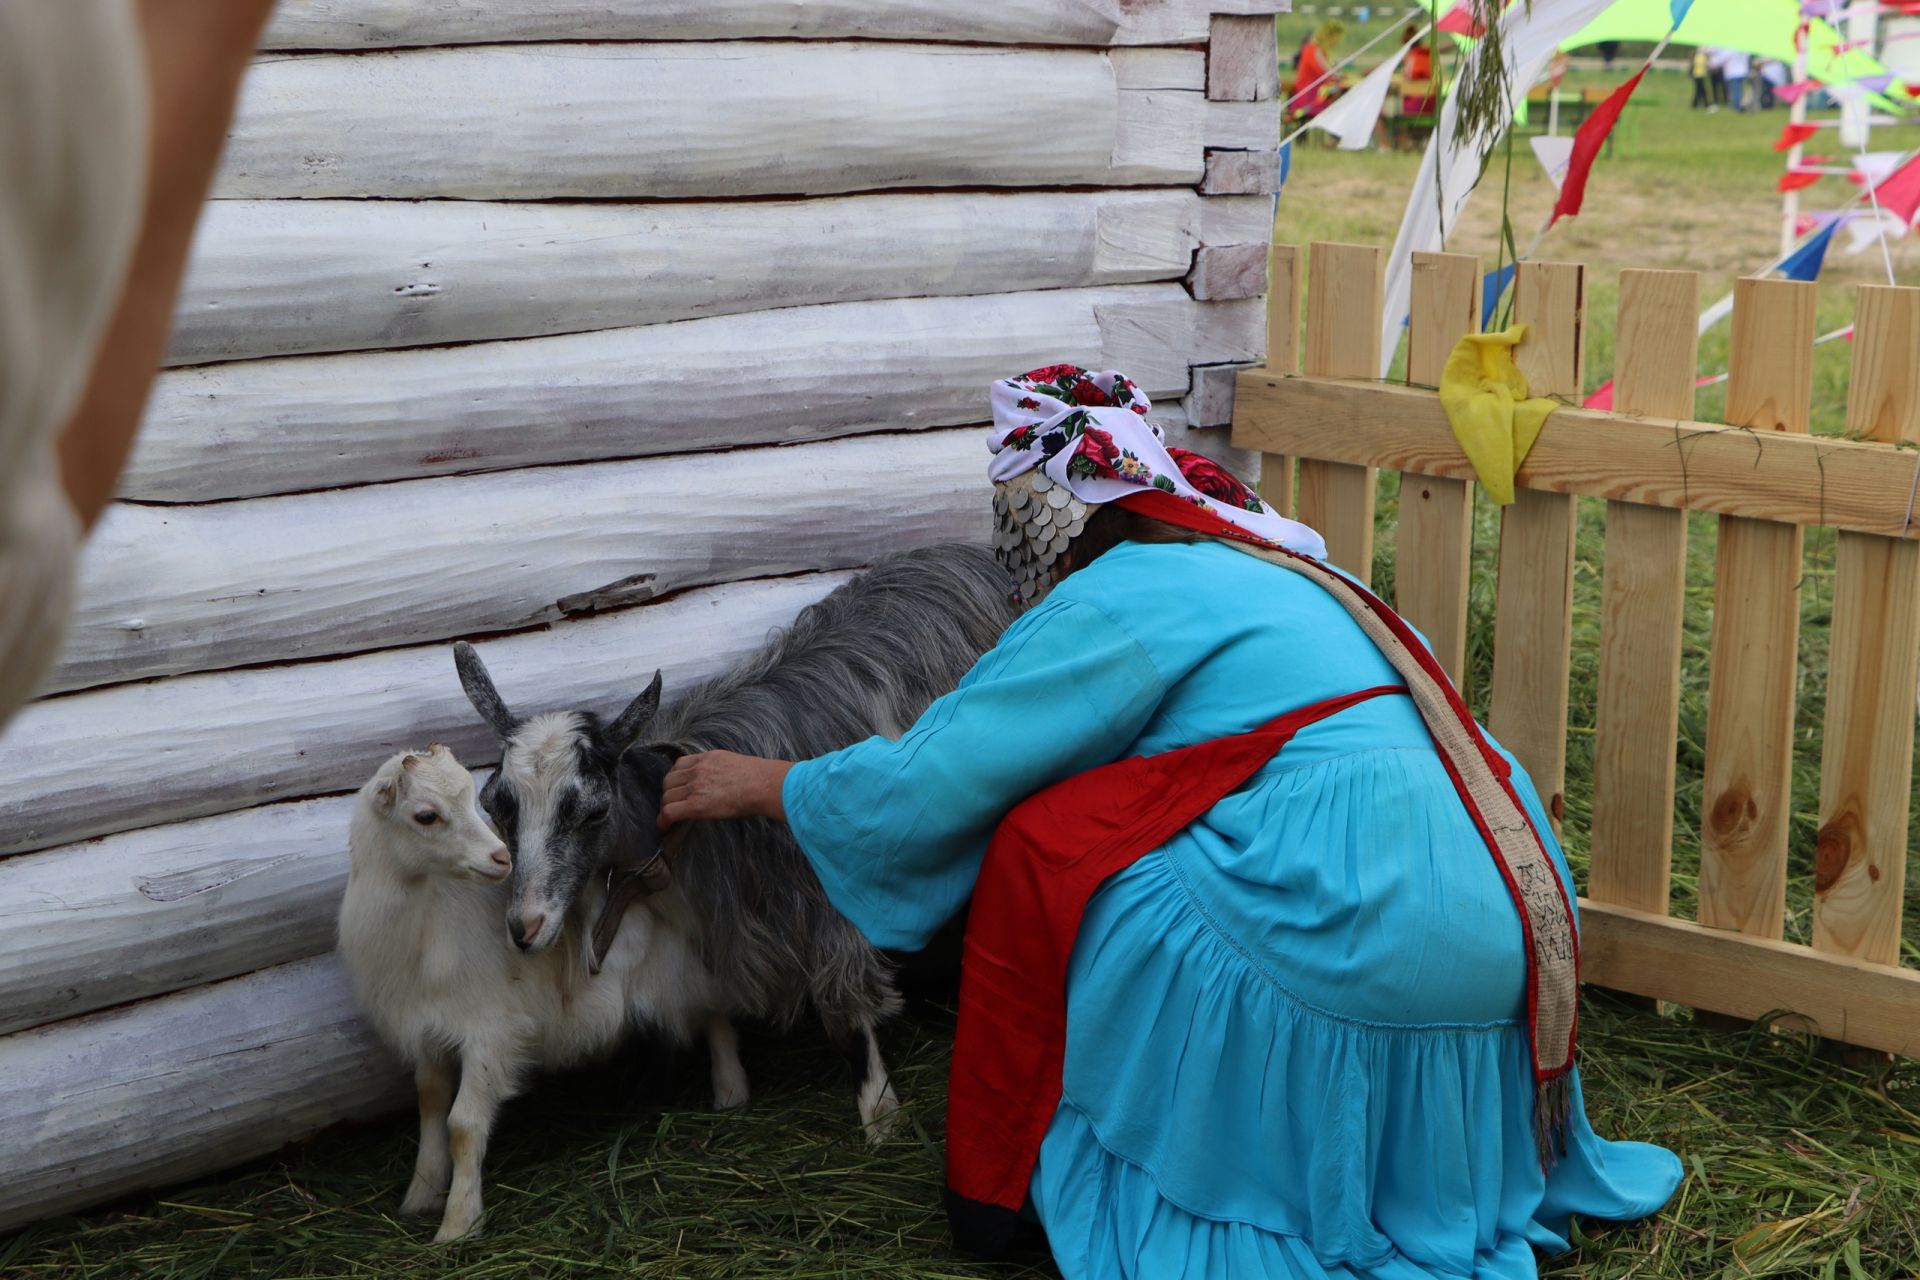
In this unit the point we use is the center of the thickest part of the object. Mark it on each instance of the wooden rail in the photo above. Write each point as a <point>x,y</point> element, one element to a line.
<point>1767,479</point>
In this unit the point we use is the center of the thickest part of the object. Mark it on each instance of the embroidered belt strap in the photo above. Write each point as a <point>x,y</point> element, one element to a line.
<point>1045,862</point>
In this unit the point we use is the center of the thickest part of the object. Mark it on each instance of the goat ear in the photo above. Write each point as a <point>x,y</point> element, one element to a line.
<point>480,691</point>
<point>638,715</point>
<point>385,794</point>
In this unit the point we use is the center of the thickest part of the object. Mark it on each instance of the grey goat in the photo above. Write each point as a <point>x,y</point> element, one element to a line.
<point>576,795</point>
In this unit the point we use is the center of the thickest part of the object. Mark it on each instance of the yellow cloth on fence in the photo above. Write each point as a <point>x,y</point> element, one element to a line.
<point>1485,397</point>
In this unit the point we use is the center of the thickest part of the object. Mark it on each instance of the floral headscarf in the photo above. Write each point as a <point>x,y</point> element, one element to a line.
<point>1089,433</point>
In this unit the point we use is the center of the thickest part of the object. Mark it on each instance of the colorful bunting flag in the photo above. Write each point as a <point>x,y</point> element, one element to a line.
<point>1793,135</point>
<point>1804,263</point>
<point>1555,153</point>
<point>1900,194</point>
<point>1491,288</point>
<point>1875,84</point>
<point>1462,21</point>
<point>1796,179</point>
<point>1791,93</point>
<point>1864,232</point>
<point>1586,145</point>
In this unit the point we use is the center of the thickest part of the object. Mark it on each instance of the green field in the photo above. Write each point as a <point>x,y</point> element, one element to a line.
<point>1800,1165</point>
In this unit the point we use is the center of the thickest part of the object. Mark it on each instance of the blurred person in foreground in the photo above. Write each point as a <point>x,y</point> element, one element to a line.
<point>112,116</point>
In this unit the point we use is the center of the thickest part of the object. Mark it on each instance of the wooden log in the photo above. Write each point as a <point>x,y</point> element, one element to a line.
<point>259,427</point>
<point>185,1085</point>
<point>111,920</point>
<point>1433,546</point>
<point>165,590</point>
<point>1343,341</point>
<point>1240,173</point>
<point>1533,609</point>
<point>279,277</point>
<point>373,24</point>
<point>1243,59</point>
<point>1279,472</point>
<point>1866,763</point>
<point>1222,272</point>
<point>1686,466</point>
<point>641,120</point>
<point>1240,126</point>
<point>1875,1006</point>
<point>1748,797</point>
<point>137,755</point>
<point>1643,596</point>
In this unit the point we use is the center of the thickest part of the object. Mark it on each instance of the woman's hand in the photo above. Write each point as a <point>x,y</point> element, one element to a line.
<point>722,784</point>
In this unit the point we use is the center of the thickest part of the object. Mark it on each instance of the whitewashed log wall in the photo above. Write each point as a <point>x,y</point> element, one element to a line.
<point>609,335</point>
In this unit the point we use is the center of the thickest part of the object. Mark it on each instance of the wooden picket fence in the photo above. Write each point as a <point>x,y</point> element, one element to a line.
<point>1329,417</point>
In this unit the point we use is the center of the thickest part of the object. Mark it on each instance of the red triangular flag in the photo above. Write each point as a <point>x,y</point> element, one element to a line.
<point>1461,21</point>
<point>1794,179</point>
<point>1602,398</point>
<point>1586,145</point>
<point>1900,193</point>
<point>1793,135</point>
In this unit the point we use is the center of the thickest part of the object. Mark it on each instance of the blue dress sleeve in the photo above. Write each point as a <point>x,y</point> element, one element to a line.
<point>896,829</point>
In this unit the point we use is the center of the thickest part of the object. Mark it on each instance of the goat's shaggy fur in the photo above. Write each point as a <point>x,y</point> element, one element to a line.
<point>577,794</point>
<point>420,932</point>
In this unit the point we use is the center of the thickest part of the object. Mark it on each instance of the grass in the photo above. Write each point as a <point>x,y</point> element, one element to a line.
<point>1800,1165</point>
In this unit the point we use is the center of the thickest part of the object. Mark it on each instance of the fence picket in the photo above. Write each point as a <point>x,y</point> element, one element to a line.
<point>1433,546</point>
<point>1343,341</point>
<point>1765,478</point>
<point>1277,470</point>
<point>1748,794</point>
<point>1873,659</point>
<point>1533,611</point>
<point>1643,592</point>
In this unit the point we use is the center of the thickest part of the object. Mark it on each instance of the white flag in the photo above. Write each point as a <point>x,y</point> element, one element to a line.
<point>1354,113</point>
<point>1555,155</point>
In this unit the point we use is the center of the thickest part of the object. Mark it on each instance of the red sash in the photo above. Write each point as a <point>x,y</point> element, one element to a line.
<point>1045,862</point>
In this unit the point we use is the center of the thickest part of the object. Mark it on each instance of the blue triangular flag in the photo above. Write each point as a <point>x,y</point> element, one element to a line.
<point>1286,155</point>
<point>1680,8</point>
<point>1804,263</point>
<point>1490,290</point>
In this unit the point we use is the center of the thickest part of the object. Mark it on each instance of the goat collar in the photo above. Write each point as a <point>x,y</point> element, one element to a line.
<point>624,885</point>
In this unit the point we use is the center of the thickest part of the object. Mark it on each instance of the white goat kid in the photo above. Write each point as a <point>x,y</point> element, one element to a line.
<point>422,935</point>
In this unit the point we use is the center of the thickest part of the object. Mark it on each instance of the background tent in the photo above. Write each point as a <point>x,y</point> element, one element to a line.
<point>1763,28</point>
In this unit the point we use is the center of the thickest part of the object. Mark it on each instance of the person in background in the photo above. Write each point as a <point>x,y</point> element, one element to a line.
<point>1738,68</point>
<point>1702,87</point>
<point>1314,85</point>
<point>1773,75</point>
<point>1417,70</point>
<point>1717,76</point>
<point>112,117</point>
<point>1609,50</point>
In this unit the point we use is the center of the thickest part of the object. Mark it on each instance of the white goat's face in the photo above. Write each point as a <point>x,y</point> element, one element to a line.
<point>435,828</point>
<point>556,798</point>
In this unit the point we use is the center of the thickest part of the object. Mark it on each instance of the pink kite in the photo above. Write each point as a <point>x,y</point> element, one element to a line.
<point>1900,193</point>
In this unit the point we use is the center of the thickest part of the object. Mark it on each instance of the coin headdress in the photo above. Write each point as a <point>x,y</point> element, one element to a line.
<point>1065,442</point>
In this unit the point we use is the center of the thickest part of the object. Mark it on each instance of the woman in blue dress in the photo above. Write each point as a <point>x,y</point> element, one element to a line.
<point>1302,1032</point>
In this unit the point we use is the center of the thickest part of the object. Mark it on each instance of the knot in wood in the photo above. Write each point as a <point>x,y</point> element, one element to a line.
<point>1834,848</point>
<point>1734,814</point>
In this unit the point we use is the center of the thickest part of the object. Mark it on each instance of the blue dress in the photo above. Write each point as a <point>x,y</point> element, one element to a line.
<point>1296,1044</point>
